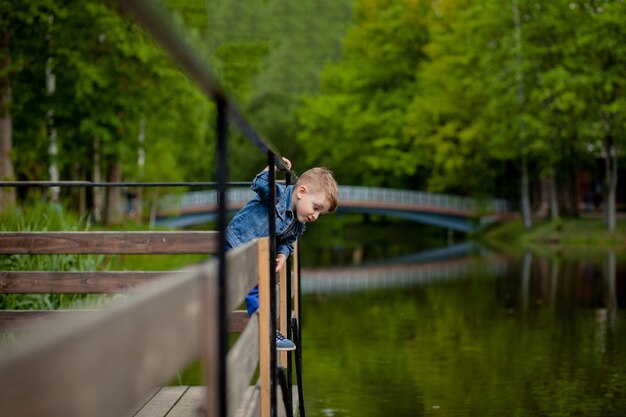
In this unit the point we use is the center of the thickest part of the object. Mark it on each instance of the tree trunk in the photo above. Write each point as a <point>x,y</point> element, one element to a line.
<point>572,192</point>
<point>7,195</point>
<point>610,184</point>
<point>524,186</point>
<point>554,206</point>
<point>53,149</point>
<point>113,209</point>
<point>141,162</point>
<point>98,192</point>
<point>525,196</point>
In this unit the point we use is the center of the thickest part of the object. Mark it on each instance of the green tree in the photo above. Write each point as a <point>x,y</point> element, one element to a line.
<point>447,114</point>
<point>602,59</point>
<point>117,95</point>
<point>355,125</point>
<point>270,55</point>
<point>21,38</point>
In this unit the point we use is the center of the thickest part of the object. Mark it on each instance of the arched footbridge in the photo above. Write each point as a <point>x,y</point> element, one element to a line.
<point>463,214</point>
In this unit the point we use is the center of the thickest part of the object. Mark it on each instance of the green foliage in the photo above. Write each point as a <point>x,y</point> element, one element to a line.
<point>45,218</point>
<point>270,53</point>
<point>404,93</point>
<point>111,81</point>
<point>355,125</point>
<point>449,99</point>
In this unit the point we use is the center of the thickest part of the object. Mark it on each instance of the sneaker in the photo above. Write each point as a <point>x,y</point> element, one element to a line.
<point>282,343</point>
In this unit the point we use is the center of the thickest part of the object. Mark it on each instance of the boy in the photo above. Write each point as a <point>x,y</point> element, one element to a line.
<point>314,194</point>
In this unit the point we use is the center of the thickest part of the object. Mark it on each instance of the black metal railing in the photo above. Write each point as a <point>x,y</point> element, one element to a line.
<point>157,23</point>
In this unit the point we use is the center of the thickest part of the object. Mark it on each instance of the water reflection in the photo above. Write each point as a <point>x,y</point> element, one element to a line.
<point>537,337</point>
<point>424,267</point>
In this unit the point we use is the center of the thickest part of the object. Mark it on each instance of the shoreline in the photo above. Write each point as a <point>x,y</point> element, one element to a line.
<point>585,236</point>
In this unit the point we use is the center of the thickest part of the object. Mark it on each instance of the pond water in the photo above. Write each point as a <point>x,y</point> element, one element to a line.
<point>502,336</point>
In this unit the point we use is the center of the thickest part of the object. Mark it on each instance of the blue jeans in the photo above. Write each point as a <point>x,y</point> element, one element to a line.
<point>252,299</point>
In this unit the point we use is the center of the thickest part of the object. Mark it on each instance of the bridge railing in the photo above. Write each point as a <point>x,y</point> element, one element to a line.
<point>351,193</point>
<point>151,15</point>
<point>203,198</point>
<point>107,362</point>
<point>421,198</point>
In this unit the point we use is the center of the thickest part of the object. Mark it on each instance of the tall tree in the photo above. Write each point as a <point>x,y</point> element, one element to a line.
<point>603,59</point>
<point>22,36</point>
<point>355,124</point>
<point>270,54</point>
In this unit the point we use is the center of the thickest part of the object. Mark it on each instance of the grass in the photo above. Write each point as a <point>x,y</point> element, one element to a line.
<point>564,237</point>
<point>46,218</point>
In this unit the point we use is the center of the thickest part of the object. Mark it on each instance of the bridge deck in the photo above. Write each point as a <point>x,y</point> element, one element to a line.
<point>186,401</point>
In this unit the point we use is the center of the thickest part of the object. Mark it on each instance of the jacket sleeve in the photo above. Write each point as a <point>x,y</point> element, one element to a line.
<point>286,246</point>
<point>260,185</point>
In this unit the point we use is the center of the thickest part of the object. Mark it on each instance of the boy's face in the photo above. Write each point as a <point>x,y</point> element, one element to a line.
<point>308,204</point>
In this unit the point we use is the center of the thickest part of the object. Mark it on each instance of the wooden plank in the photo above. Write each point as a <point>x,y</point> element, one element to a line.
<point>295,400</point>
<point>36,320</point>
<point>242,272</point>
<point>74,282</point>
<point>250,401</point>
<point>251,405</point>
<point>145,401</point>
<point>162,402</point>
<point>255,404</point>
<point>25,320</point>
<point>190,404</point>
<point>241,362</point>
<point>238,321</point>
<point>104,365</point>
<point>264,328</point>
<point>107,242</point>
<point>210,354</point>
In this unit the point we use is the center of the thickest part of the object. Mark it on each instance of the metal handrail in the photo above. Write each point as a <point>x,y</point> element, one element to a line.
<point>118,184</point>
<point>156,21</point>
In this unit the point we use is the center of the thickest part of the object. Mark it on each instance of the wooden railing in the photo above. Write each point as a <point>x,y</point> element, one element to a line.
<point>107,362</point>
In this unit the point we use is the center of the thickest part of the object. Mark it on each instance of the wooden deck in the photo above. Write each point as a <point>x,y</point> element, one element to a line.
<point>185,401</point>
<point>114,361</point>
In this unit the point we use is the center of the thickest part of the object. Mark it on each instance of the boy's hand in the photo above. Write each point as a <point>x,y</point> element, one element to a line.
<point>280,261</point>
<point>287,163</point>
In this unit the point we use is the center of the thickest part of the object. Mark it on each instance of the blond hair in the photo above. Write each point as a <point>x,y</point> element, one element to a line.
<point>321,179</point>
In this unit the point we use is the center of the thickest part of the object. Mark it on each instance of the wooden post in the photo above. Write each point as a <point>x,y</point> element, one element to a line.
<point>209,343</point>
<point>264,327</point>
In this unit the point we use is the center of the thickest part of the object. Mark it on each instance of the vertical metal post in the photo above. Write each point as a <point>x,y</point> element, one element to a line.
<point>299,312</point>
<point>298,336</point>
<point>287,311</point>
<point>271,209</point>
<point>222,174</point>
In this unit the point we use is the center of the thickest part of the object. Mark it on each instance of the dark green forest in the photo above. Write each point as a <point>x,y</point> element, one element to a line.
<point>477,98</point>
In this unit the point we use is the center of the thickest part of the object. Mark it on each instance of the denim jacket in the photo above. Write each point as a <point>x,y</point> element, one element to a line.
<point>251,221</point>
